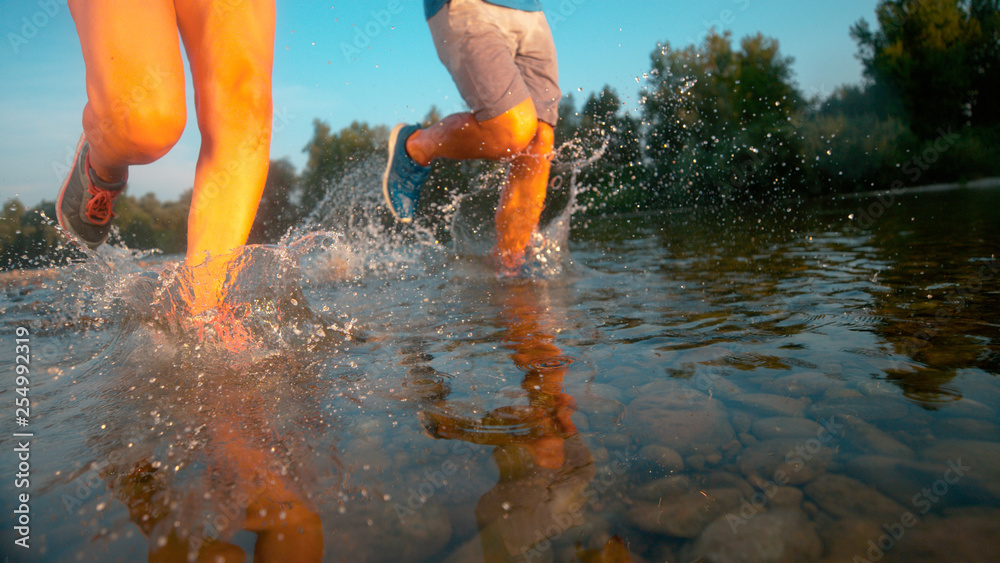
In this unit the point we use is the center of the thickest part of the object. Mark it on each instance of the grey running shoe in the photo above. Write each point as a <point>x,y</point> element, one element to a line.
<point>86,203</point>
<point>403,177</point>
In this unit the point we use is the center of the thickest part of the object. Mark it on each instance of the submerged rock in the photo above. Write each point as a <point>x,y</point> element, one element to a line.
<point>870,440</point>
<point>684,420</point>
<point>919,485</point>
<point>844,497</point>
<point>784,427</point>
<point>784,462</point>
<point>771,405</point>
<point>663,458</point>
<point>866,408</point>
<point>982,459</point>
<point>781,535</point>
<point>802,384</point>
<point>381,532</point>
<point>964,535</point>
<point>684,516</point>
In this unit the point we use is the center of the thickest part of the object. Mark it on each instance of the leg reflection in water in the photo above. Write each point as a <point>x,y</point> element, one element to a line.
<point>238,468</point>
<point>545,467</point>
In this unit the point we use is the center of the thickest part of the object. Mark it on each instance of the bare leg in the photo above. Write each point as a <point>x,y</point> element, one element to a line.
<point>523,198</point>
<point>231,50</point>
<point>516,136</point>
<point>460,136</point>
<point>135,82</point>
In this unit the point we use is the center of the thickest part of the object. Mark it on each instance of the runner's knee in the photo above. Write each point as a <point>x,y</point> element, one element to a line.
<point>146,128</point>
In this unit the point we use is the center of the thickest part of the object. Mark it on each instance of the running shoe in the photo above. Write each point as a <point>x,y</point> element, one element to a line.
<point>403,177</point>
<point>86,203</point>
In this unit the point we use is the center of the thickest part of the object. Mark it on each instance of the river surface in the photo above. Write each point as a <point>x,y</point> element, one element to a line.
<point>794,383</point>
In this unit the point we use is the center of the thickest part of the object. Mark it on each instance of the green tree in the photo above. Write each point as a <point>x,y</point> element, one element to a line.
<point>276,212</point>
<point>720,121</point>
<point>613,180</point>
<point>939,56</point>
<point>27,237</point>
<point>331,155</point>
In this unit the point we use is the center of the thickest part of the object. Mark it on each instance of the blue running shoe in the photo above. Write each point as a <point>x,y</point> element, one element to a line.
<point>403,177</point>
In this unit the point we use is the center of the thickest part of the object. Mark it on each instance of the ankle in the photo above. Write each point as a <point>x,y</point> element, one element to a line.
<point>415,151</point>
<point>105,176</point>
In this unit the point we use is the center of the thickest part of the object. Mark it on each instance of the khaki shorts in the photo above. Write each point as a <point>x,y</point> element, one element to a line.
<point>498,57</point>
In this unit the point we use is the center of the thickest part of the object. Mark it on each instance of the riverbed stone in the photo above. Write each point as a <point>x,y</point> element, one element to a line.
<point>389,532</point>
<point>778,536</point>
<point>663,489</point>
<point>741,420</point>
<point>847,538</point>
<point>616,440</point>
<point>786,497</point>
<point>784,461</point>
<point>801,384</point>
<point>844,497</point>
<point>684,516</point>
<point>982,459</point>
<point>663,457</point>
<point>868,439</point>
<point>866,408</point>
<point>724,480</point>
<point>784,427</point>
<point>912,483</point>
<point>961,535</point>
<point>962,427</point>
<point>970,408</point>
<point>684,420</point>
<point>767,404</point>
<point>835,393</point>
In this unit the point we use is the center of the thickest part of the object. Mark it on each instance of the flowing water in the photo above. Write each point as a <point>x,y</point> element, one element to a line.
<point>798,383</point>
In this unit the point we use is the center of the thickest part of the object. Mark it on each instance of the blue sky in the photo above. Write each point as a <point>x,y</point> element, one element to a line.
<point>374,61</point>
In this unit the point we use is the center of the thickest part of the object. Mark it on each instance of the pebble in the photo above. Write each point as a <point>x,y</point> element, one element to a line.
<point>684,516</point>
<point>664,457</point>
<point>801,384</point>
<point>784,462</point>
<point>868,439</point>
<point>781,535</point>
<point>686,421</point>
<point>771,405</point>
<point>785,427</point>
<point>843,497</point>
<point>871,409</point>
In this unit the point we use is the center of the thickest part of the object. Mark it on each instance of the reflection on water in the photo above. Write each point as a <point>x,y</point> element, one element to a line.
<point>786,384</point>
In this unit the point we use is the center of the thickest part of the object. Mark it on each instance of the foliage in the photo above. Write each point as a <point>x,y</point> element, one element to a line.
<point>939,56</point>
<point>277,212</point>
<point>331,154</point>
<point>715,123</point>
<point>720,122</point>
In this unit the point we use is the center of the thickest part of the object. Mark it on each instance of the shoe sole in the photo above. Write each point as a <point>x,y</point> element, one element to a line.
<point>62,190</point>
<point>393,136</point>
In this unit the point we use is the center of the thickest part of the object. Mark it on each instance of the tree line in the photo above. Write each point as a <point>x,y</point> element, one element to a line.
<point>717,122</point>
